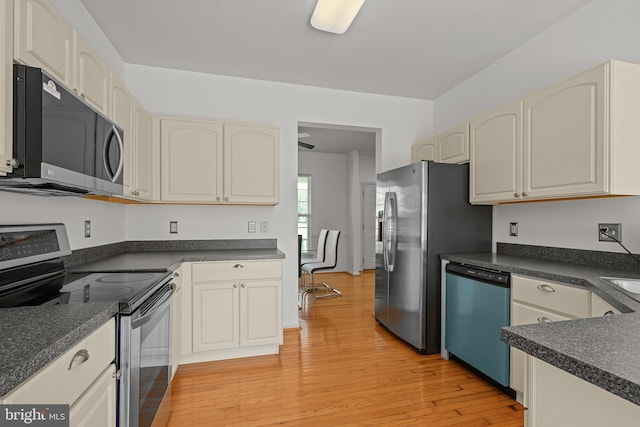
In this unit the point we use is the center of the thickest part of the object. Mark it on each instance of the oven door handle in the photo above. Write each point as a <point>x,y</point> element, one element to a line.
<point>153,311</point>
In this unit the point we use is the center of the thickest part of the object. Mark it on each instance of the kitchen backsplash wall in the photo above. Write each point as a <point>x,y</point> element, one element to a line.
<point>107,219</point>
<point>569,223</point>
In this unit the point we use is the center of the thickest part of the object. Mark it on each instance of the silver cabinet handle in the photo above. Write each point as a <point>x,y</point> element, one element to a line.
<point>243,285</point>
<point>524,194</point>
<point>516,194</point>
<point>543,319</point>
<point>176,275</point>
<point>546,288</point>
<point>238,266</point>
<point>226,199</point>
<point>235,285</point>
<point>608,313</point>
<point>218,198</point>
<point>79,358</point>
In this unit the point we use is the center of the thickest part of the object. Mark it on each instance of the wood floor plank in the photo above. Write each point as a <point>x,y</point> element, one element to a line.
<point>340,368</point>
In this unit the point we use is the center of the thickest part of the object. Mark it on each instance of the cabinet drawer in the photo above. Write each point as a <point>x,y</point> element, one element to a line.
<point>235,270</point>
<point>526,315</point>
<point>553,296</point>
<point>57,383</point>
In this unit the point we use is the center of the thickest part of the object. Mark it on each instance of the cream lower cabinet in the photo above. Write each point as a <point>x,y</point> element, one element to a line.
<point>537,301</point>
<point>84,377</point>
<point>579,138</point>
<point>559,399</point>
<point>210,162</point>
<point>601,308</point>
<point>450,146</point>
<point>234,310</point>
<point>6,87</point>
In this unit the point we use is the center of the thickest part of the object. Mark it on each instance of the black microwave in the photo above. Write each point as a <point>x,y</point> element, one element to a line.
<point>61,145</point>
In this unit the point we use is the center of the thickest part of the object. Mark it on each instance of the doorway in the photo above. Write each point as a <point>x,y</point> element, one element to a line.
<point>368,226</point>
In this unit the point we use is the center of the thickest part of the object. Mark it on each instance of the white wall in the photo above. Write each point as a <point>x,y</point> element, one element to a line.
<point>601,30</point>
<point>328,196</point>
<point>107,219</point>
<point>367,168</point>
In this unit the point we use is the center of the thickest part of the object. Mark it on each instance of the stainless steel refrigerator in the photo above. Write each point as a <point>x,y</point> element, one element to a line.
<point>423,211</point>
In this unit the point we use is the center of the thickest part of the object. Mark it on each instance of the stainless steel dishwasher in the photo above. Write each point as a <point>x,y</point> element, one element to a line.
<point>477,306</point>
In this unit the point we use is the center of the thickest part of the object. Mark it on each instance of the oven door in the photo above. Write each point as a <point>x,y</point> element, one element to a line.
<point>145,359</point>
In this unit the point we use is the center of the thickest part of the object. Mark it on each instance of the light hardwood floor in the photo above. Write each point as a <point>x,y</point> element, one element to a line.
<point>340,369</point>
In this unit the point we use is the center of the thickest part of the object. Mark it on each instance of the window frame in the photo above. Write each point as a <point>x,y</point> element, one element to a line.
<point>306,240</point>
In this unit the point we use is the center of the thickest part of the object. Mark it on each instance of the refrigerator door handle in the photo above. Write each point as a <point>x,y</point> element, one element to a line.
<point>390,234</point>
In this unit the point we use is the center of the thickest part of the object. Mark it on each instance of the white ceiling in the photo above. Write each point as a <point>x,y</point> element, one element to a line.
<point>411,48</point>
<point>337,139</point>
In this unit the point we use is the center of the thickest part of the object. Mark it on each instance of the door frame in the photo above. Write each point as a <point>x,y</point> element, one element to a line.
<point>362,219</point>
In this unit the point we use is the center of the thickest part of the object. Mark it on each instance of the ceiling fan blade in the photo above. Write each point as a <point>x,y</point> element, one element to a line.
<point>305,145</point>
<point>303,134</point>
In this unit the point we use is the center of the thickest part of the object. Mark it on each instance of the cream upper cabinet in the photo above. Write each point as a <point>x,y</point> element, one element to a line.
<point>564,138</point>
<point>453,144</point>
<point>191,156</point>
<point>579,138</point>
<point>6,87</point>
<point>495,145</point>
<point>450,146</point>
<point>251,164</point>
<point>43,39</point>
<point>121,111</point>
<point>91,75</point>
<point>425,150</point>
<point>145,168</point>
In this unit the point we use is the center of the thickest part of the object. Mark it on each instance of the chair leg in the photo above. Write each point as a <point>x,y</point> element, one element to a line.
<point>330,292</point>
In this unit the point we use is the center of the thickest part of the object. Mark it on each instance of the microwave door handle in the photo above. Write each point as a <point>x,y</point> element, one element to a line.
<point>121,162</point>
<point>105,155</point>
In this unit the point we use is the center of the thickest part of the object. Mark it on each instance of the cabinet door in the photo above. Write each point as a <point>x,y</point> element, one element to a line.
<point>97,407</point>
<point>176,330</point>
<point>260,313</point>
<point>251,164</point>
<point>44,39</point>
<point>215,316</point>
<point>600,308</point>
<point>143,182</point>
<point>91,75</point>
<point>191,153</point>
<point>453,144</point>
<point>495,145</point>
<point>6,87</point>
<point>564,138</point>
<point>121,106</point>
<point>425,150</point>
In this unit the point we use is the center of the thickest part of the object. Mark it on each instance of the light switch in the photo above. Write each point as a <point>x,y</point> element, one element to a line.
<point>173,227</point>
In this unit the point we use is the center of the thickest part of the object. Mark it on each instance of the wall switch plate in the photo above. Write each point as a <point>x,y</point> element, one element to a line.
<point>252,226</point>
<point>87,228</point>
<point>264,226</point>
<point>173,227</point>
<point>513,229</point>
<point>612,229</point>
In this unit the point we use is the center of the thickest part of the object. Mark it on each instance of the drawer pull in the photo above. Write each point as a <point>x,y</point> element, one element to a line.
<point>176,275</point>
<point>608,313</point>
<point>238,266</point>
<point>546,288</point>
<point>79,358</point>
<point>544,319</point>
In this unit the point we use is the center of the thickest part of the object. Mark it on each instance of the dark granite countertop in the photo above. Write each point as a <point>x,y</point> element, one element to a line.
<point>604,351</point>
<point>34,336</point>
<point>170,260</point>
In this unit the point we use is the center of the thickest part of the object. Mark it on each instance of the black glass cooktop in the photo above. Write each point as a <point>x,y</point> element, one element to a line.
<point>125,288</point>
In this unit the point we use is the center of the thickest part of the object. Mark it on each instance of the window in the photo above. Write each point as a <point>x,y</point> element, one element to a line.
<point>304,210</point>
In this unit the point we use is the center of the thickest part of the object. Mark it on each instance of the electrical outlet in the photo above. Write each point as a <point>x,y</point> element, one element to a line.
<point>264,226</point>
<point>614,231</point>
<point>87,228</point>
<point>513,229</point>
<point>252,226</point>
<point>173,227</point>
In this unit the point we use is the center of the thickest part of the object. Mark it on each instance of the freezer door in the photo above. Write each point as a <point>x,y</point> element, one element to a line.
<point>406,282</point>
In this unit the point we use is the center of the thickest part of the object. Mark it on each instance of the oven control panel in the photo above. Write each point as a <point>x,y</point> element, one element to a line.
<point>20,245</point>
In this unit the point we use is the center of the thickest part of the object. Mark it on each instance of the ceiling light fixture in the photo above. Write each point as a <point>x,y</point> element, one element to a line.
<point>335,16</point>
